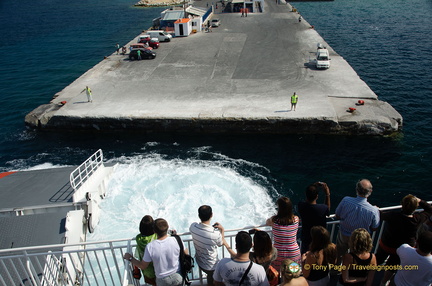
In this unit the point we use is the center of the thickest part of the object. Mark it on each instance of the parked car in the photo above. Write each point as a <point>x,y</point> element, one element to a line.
<point>160,35</point>
<point>322,58</point>
<point>154,43</point>
<point>143,38</point>
<point>140,46</point>
<point>145,54</point>
<point>215,22</point>
<point>146,40</point>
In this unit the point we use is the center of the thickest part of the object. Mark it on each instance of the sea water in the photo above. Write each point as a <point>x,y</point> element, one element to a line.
<point>174,189</point>
<point>47,44</point>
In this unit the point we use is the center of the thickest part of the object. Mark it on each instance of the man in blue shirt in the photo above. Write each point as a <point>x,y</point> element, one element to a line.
<point>356,213</point>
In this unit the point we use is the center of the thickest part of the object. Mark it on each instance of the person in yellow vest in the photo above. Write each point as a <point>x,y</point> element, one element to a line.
<point>294,100</point>
<point>89,93</point>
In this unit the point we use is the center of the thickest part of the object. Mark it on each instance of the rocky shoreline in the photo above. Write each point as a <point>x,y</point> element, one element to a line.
<point>158,3</point>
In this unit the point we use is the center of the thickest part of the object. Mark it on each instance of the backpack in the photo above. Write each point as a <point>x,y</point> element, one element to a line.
<point>186,261</point>
<point>271,273</point>
<point>272,276</point>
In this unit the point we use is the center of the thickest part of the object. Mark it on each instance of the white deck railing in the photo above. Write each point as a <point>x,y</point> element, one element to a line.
<point>83,172</point>
<point>89,263</point>
<point>96,263</point>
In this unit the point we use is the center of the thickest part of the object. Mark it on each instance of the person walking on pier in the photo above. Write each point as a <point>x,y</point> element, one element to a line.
<point>89,93</point>
<point>294,100</point>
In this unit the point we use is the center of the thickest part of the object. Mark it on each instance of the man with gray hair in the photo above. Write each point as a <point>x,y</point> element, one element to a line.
<point>356,213</point>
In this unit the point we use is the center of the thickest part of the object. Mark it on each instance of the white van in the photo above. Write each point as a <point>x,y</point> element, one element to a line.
<point>322,58</point>
<point>161,35</point>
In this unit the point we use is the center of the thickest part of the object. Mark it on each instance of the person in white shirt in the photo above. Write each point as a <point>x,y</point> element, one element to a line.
<point>416,262</point>
<point>164,252</point>
<point>240,270</point>
<point>207,239</point>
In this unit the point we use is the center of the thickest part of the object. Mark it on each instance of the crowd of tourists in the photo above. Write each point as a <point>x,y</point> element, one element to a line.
<point>404,251</point>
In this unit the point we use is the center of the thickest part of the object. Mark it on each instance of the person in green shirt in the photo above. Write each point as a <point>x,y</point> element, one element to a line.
<point>146,236</point>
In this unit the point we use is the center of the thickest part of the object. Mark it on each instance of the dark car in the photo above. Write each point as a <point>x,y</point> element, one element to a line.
<point>145,54</point>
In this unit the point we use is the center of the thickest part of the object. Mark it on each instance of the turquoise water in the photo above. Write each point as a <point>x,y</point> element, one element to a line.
<point>45,45</point>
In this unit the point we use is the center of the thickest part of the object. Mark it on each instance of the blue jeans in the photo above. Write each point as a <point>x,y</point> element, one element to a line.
<point>170,280</point>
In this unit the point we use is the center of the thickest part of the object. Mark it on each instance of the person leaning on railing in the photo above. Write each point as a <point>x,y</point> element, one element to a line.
<point>164,252</point>
<point>313,214</point>
<point>356,213</point>
<point>146,236</point>
<point>207,238</point>
<point>284,228</point>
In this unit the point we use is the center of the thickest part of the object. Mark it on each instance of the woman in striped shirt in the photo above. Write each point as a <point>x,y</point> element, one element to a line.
<point>284,228</point>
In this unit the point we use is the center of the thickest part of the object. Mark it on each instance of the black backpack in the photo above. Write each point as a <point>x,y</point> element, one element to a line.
<point>186,261</point>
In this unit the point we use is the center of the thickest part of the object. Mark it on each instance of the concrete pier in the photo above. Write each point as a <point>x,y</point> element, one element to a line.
<point>238,78</point>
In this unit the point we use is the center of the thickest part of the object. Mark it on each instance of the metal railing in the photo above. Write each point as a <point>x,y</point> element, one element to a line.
<point>98,263</point>
<point>333,226</point>
<point>88,263</point>
<point>83,172</point>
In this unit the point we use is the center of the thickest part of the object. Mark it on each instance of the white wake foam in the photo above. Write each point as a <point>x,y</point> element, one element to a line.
<point>174,189</point>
